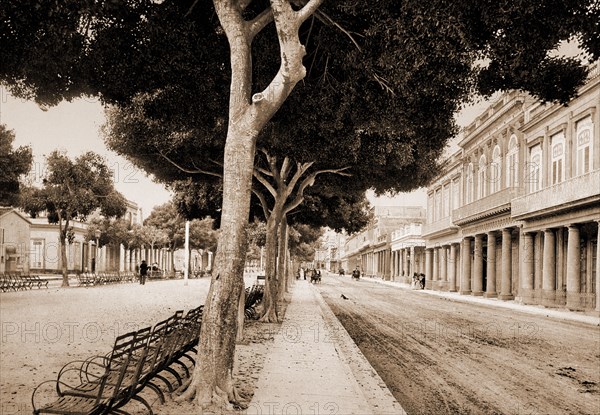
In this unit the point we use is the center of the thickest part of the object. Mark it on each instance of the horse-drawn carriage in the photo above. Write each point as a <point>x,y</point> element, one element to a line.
<point>315,276</point>
<point>356,274</point>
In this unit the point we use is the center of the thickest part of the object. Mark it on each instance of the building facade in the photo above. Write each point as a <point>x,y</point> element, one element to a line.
<point>407,252</point>
<point>31,245</point>
<point>515,211</point>
<point>371,249</point>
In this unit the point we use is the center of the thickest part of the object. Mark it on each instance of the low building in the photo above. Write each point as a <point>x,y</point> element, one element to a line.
<point>31,245</point>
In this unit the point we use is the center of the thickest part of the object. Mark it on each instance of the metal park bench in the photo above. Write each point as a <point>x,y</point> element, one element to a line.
<point>151,358</point>
<point>254,296</point>
<point>105,384</point>
<point>88,278</point>
<point>15,282</point>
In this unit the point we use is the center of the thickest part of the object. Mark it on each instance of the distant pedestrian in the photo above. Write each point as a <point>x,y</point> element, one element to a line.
<point>143,272</point>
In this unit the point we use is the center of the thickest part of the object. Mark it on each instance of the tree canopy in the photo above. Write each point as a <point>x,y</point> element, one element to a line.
<point>14,164</point>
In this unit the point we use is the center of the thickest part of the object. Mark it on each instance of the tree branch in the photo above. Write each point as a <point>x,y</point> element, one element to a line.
<point>335,171</point>
<point>323,16</point>
<point>309,181</point>
<point>308,10</point>
<point>285,168</point>
<point>189,171</point>
<point>264,171</point>
<point>259,22</point>
<point>273,166</point>
<point>191,8</point>
<point>263,202</point>
<point>300,170</point>
<point>265,182</point>
<point>218,163</point>
<point>208,172</point>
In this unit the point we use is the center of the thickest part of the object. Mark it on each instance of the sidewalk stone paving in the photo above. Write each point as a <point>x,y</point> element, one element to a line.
<point>589,317</point>
<point>314,367</point>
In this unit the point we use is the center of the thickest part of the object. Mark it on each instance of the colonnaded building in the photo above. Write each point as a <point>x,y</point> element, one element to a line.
<point>513,213</point>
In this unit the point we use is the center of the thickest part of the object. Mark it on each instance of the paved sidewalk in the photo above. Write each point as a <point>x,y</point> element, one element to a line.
<point>590,317</point>
<point>314,367</point>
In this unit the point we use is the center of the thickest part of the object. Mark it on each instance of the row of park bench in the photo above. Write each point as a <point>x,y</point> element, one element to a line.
<point>16,281</point>
<point>140,360</point>
<point>99,278</point>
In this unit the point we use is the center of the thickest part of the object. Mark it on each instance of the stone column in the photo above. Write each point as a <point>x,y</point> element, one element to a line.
<point>465,286</point>
<point>598,269</point>
<point>412,263</point>
<point>478,266</point>
<point>573,269</point>
<point>452,269</point>
<point>549,269</point>
<point>526,268</point>
<point>506,289</point>
<point>443,277</point>
<point>436,268</point>
<point>428,267</point>
<point>405,263</point>
<point>490,288</point>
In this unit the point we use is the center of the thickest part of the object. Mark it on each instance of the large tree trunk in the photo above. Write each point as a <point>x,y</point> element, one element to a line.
<point>63,260</point>
<point>212,379</point>
<point>269,314</point>
<point>282,259</point>
<point>63,251</point>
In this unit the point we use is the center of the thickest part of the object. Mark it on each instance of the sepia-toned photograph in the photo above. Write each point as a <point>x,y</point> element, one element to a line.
<point>299,207</point>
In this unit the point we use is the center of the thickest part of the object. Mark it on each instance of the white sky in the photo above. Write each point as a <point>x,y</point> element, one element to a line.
<point>75,128</point>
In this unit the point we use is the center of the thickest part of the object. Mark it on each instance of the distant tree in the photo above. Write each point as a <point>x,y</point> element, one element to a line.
<point>14,164</point>
<point>153,238</point>
<point>203,234</point>
<point>172,225</point>
<point>304,241</point>
<point>72,190</point>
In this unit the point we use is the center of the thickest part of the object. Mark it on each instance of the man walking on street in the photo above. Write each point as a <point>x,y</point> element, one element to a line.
<point>143,272</point>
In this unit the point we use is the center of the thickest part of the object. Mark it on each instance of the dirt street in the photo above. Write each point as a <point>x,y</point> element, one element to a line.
<point>443,357</point>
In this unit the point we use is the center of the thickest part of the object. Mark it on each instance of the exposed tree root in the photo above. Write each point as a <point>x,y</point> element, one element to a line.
<point>187,391</point>
<point>180,390</point>
<point>215,401</point>
<point>269,317</point>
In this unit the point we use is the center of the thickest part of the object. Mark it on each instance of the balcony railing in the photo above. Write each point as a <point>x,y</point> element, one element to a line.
<point>569,193</point>
<point>439,226</point>
<point>495,203</point>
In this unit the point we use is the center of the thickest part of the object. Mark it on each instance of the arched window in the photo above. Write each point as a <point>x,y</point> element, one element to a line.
<point>496,171</point>
<point>469,185</point>
<point>534,176</point>
<point>512,162</point>
<point>482,178</point>
<point>558,158</point>
<point>584,145</point>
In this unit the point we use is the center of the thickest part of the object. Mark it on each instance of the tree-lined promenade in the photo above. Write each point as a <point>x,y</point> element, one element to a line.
<point>337,97</point>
